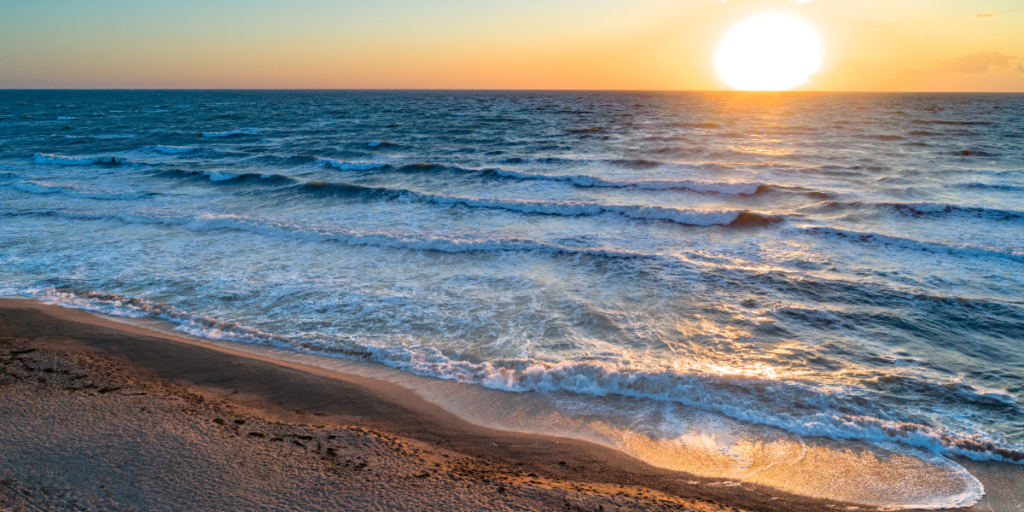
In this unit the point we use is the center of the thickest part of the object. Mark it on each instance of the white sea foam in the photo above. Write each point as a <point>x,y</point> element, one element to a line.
<point>172,150</point>
<point>43,158</point>
<point>231,133</point>
<point>685,216</point>
<point>345,165</point>
<point>740,398</point>
<point>221,176</point>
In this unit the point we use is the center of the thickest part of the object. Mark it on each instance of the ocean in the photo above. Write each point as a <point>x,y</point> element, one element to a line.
<point>834,271</point>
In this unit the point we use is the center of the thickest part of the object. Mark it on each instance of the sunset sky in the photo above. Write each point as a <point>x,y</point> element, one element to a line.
<point>888,45</point>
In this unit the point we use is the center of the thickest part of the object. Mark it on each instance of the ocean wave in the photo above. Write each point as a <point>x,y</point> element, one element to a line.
<point>633,163</point>
<point>578,180</point>
<point>383,239</point>
<point>106,136</point>
<point>231,133</point>
<point>587,131</point>
<point>920,209</point>
<point>586,181</point>
<point>44,158</point>
<point>221,176</point>
<point>953,123</point>
<point>706,126</point>
<point>134,307</point>
<point>300,159</point>
<point>802,408</point>
<point>967,251</point>
<point>685,216</point>
<point>345,165</point>
<point>690,217</point>
<point>390,240</point>
<point>971,152</point>
<point>43,188</point>
<point>992,186</point>
<point>171,150</point>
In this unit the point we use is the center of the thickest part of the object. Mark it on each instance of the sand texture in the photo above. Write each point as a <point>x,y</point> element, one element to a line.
<point>96,415</point>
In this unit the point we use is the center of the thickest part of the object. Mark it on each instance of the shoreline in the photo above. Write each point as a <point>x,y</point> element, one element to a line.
<point>297,394</point>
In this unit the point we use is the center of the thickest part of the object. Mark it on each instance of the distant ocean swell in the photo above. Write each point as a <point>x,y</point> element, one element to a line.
<point>919,209</point>
<point>41,158</point>
<point>578,180</point>
<point>690,217</point>
<point>966,250</point>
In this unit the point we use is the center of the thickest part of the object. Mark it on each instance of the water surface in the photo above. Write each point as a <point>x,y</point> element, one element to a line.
<point>845,269</point>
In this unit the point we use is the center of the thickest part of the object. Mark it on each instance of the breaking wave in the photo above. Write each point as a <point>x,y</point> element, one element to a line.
<point>690,217</point>
<point>220,176</point>
<point>172,150</point>
<point>231,133</point>
<point>920,209</point>
<point>578,180</point>
<point>967,251</point>
<point>684,216</point>
<point>350,166</point>
<point>836,412</point>
<point>48,159</point>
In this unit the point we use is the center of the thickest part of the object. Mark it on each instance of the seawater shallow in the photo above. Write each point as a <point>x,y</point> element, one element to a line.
<point>719,450</point>
<point>673,267</point>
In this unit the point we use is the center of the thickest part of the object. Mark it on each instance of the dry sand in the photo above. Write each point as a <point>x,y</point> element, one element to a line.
<point>99,415</point>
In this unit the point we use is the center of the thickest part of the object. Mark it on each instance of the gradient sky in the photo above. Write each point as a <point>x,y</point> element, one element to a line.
<point>889,45</point>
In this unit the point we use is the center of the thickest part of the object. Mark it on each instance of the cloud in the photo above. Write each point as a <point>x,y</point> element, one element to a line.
<point>978,63</point>
<point>987,15</point>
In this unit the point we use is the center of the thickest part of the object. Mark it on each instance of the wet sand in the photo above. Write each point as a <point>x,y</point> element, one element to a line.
<point>104,415</point>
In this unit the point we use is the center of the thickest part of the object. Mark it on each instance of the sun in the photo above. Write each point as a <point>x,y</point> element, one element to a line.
<point>769,51</point>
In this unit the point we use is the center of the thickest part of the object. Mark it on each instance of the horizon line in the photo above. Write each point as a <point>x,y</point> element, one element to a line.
<point>396,89</point>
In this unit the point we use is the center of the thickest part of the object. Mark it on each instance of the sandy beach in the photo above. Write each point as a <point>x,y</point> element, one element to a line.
<point>99,415</point>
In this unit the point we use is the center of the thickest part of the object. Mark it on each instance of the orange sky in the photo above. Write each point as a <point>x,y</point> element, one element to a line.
<point>916,45</point>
